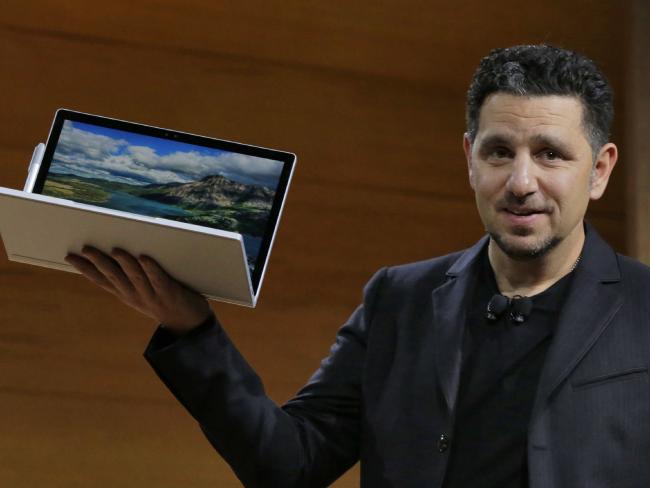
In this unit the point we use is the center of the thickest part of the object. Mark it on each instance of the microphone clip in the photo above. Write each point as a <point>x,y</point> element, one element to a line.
<point>519,308</point>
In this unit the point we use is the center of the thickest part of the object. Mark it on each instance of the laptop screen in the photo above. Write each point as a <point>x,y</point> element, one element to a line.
<point>168,174</point>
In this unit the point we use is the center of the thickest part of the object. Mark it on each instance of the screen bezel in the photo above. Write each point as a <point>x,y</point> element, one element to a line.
<point>287,158</point>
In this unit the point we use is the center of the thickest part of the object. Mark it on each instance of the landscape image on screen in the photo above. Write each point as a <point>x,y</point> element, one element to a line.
<point>164,178</point>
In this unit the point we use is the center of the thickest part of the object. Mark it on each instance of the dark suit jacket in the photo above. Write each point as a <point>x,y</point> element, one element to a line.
<point>387,391</point>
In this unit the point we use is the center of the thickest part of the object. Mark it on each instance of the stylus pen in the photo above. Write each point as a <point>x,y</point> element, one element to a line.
<point>34,165</point>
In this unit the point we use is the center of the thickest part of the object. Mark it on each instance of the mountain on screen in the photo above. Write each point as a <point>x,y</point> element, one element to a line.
<point>209,193</point>
<point>213,201</point>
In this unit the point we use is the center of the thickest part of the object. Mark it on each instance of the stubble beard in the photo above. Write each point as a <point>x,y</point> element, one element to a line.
<point>524,253</point>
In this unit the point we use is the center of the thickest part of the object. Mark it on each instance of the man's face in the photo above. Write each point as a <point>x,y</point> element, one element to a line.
<point>532,172</point>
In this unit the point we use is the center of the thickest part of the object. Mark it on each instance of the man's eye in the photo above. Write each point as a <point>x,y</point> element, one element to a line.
<point>551,154</point>
<point>499,152</point>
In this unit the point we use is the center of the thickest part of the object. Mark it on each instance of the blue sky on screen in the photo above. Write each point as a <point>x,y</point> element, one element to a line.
<point>99,152</point>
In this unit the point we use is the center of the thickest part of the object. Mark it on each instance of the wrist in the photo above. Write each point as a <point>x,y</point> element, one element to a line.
<point>182,329</point>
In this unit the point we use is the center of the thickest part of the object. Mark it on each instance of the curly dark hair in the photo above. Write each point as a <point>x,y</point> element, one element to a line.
<point>544,70</point>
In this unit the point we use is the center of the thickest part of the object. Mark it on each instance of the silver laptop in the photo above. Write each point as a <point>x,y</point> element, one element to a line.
<point>206,209</point>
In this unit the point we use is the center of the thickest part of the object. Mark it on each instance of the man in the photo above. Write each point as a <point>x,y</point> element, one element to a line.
<point>522,361</point>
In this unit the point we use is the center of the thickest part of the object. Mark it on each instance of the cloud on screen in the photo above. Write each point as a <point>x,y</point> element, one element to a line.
<point>87,154</point>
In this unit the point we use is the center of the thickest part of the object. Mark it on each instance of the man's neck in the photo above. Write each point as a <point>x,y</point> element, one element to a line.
<point>528,278</point>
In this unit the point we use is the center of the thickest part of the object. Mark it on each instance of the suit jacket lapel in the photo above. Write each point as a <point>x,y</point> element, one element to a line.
<point>450,302</point>
<point>594,299</point>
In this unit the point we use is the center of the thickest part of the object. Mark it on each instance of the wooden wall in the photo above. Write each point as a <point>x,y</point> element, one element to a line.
<point>370,95</point>
<point>637,125</point>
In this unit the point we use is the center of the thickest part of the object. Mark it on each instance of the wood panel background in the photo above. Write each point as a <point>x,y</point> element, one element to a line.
<point>370,95</point>
<point>637,129</point>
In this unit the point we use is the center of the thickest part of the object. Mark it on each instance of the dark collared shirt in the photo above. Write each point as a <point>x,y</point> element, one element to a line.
<point>502,363</point>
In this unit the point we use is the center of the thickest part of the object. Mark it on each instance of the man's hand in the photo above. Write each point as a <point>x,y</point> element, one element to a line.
<point>142,284</point>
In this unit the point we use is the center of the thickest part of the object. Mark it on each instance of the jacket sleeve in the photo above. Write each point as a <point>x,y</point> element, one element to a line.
<point>308,442</point>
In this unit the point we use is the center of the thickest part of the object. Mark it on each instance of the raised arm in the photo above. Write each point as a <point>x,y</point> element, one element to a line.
<point>308,442</point>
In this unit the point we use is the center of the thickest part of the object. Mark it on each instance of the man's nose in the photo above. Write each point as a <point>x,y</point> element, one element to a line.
<point>522,180</point>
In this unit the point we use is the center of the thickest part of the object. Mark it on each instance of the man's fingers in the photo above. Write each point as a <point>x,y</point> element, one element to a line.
<point>180,307</point>
<point>110,269</point>
<point>88,269</point>
<point>162,283</point>
<point>135,274</point>
<point>125,274</point>
<point>145,286</point>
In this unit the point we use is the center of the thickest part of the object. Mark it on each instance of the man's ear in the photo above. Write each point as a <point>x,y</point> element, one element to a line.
<point>467,147</point>
<point>601,170</point>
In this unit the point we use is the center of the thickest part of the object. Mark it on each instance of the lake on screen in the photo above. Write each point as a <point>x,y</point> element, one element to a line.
<point>131,203</point>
